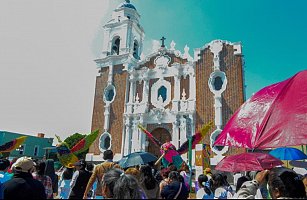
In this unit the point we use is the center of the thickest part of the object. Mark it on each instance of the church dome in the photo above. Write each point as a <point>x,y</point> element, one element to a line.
<point>126,4</point>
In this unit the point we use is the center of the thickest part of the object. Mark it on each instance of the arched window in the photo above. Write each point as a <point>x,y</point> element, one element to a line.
<point>162,91</point>
<point>136,50</point>
<point>115,46</point>
<point>109,94</point>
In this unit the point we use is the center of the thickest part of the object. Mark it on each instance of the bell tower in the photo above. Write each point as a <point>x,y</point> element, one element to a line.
<point>123,34</point>
<point>122,46</point>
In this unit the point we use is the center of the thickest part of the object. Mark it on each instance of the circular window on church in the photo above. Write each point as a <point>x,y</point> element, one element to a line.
<point>109,94</point>
<point>217,149</point>
<point>105,141</point>
<point>217,82</point>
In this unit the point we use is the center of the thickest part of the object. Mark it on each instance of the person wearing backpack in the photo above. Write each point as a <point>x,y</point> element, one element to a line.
<point>98,173</point>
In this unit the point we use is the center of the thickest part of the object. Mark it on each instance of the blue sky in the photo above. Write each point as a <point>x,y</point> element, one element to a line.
<point>273,33</point>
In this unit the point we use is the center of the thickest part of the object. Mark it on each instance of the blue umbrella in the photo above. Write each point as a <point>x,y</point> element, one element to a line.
<point>288,153</point>
<point>137,158</point>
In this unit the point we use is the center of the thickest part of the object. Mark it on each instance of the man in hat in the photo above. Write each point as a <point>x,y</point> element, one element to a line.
<point>79,180</point>
<point>22,185</point>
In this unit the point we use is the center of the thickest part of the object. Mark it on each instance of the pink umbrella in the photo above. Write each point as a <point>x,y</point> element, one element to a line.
<point>276,116</point>
<point>248,162</point>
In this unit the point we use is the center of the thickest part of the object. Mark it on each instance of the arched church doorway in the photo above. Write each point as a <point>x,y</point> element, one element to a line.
<point>163,136</point>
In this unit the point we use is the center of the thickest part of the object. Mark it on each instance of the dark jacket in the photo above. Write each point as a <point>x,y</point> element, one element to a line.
<point>78,189</point>
<point>170,191</point>
<point>23,186</point>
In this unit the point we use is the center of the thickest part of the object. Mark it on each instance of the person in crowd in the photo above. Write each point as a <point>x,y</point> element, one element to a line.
<point>185,173</point>
<point>134,172</point>
<point>23,185</point>
<point>99,172</point>
<point>236,176</point>
<point>220,187</point>
<point>172,167</point>
<point>158,176</point>
<point>175,188</point>
<point>39,174</point>
<point>204,192</point>
<point>164,174</point>
<point>1,191</point>
<point>239,184</point>
<point>118,185</point>
<point>64,183</point>
<point>148,182</point>
<point>208,173</point>
<point>304,179</point>
<point>4,167</point>
<point>79,180</point>
<point>91,194</point>
<point>50,171</point>
<point>282,182</point>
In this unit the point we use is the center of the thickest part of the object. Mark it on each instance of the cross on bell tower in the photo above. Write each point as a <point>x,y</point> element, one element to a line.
<point>163,38</point>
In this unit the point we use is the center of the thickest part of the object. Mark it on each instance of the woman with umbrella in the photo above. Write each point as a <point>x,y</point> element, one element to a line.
<point>282,182</point>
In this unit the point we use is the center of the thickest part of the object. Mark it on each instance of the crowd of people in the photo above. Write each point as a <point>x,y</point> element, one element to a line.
<point>37,179</point>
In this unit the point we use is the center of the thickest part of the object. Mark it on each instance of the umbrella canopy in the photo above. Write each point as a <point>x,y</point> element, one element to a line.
<point>287,153</point>
<point>273,117</point>
<point>137,158</point>
<point>248,162</point>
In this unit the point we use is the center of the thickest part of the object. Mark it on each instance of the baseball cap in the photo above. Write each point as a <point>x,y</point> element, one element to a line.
<point>23,164</point>
<point>80,163</point>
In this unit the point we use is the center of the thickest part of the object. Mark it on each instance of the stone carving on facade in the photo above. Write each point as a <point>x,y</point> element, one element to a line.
<point>216,47</point>
<point>172,45</point>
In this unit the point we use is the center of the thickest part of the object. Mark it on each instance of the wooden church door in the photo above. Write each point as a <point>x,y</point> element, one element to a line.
<point>163,136</point>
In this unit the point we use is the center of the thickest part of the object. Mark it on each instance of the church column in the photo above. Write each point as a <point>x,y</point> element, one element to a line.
<point>127,143</point>
<point>108,105</point>
<point>131,96</point>
<point>142,140</point>
<point>183,135</point>
<point>176,93</point>
<point>192,84</point>
<point>145,92</point>
<point>175,136</point>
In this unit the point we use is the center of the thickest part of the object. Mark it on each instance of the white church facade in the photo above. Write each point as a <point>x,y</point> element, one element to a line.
<point>169,92</point>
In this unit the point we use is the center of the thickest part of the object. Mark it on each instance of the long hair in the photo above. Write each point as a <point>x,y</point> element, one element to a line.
<point>218,180</point>
<point>40,167</point>
<point>68,173</point>
<point>147,177</point>
<point>202,179</point>
<point>174,176</point>
<point>122,186</point>
<point>287,182</point>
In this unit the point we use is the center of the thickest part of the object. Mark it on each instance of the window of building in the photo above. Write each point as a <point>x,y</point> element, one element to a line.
<point>105,141</point>
<point>218,83</point>
<point>136,50</point>
<point>115,46</point>
<point>162,91</point>
<point>36,148</point>
<point>21,149</point>
<point>109,94</point>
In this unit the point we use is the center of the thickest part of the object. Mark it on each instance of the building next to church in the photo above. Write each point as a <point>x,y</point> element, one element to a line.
<point>34,146</point>
<point>170,93</point>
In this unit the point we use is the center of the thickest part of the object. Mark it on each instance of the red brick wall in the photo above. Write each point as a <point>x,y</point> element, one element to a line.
<point>232,97</point>
<point>116,110</point>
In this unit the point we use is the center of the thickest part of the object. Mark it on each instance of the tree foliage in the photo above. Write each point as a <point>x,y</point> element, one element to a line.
<point>73,140</point>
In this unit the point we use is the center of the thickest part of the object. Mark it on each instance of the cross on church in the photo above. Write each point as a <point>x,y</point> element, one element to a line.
<point>163,38</point>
